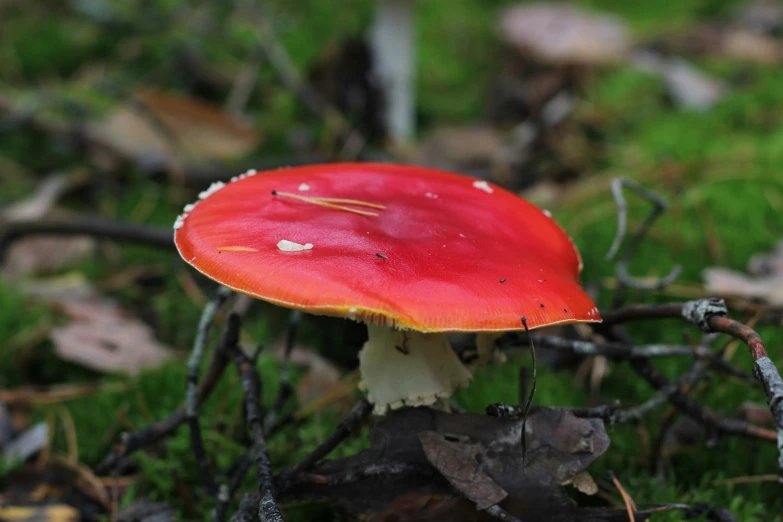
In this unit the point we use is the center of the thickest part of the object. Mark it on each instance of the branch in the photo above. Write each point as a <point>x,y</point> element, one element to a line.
<point>251,386</point>
<point>95,226</point>
<point>231,339</point>
<point>710,315</point>
<point>659,205</point>
<point>133,441</point>
<point>347,426</point>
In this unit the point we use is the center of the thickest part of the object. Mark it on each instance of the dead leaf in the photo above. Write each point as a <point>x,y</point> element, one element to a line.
<point>561,33</point>
<point>559,446</point>
<point>767,264</point>
<point>54,513</point>
<point>37,205</point>
<point>168,125</point>
<point>100,335</point>
<point>584,483</point>
<point>688,87</point>
<point>751,47</point>
<point>45,255</point>
<point>103,337</point>
<point>460,464</point>
<point>731,283</point>
<point>764,279</point>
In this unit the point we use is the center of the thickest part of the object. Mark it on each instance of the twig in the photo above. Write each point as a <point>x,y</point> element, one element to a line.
<point>231,338</point>
<point>710,315</point>
<point>133,441</point>
<point>622,351</point>
<point>96,226</point>
<point>347,426</point>
<point>251,387</point>
<point>659,205</point>
<point>613,414</point>
<point>532,391</point>
<point>284,388</point>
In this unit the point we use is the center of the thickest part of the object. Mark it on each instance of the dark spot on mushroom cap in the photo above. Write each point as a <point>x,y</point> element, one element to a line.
<point>566,311</point>
<point>274,193</point>
<point>378,254</point>
<point>502,279</point>
<point>541,305</point>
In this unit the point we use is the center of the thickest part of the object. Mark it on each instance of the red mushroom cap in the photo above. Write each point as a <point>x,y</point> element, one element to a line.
<point>418,248</point>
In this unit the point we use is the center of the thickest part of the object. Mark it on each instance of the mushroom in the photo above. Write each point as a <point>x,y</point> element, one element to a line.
<point>412,252</point>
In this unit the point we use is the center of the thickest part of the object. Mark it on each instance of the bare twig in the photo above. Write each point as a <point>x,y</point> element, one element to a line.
<point>95,226</point>
<point>194,368</point>
<point>532,390</point>
<point>625,279</point>
<point>251,386</point>
<point>622,351</point>
<point>710,315</point>
<point>133,441</point>
<point>347,426</point>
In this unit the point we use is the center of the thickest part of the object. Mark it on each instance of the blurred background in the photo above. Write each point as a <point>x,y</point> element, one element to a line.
<point>113,115</point>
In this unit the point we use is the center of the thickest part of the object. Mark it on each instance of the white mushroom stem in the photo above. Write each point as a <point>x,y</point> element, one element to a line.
<point>392,41</point>
<point>406,368</point>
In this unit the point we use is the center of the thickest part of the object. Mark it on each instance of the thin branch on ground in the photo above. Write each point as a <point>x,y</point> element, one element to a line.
<point>133,441</point>
<point>358,414</point>
<point>622,351</point>
<point>268,511</point>
<point>659,205</point>
<point>710,316</point>
<point>95,226</point>
<point>194,369</point>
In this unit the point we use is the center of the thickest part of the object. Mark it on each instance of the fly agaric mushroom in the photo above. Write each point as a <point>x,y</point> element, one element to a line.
<point>413,252</point>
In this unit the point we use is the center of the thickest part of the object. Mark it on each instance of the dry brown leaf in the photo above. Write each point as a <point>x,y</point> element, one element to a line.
<point>764,279</point>
<point>560,33</point>
<point>45,255</point>
<point>751,47</point>
<point>38,204</point>
<point>104,338</point>
<point>584,482</point>
<point>460,464</point>
<point>175,126</point>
